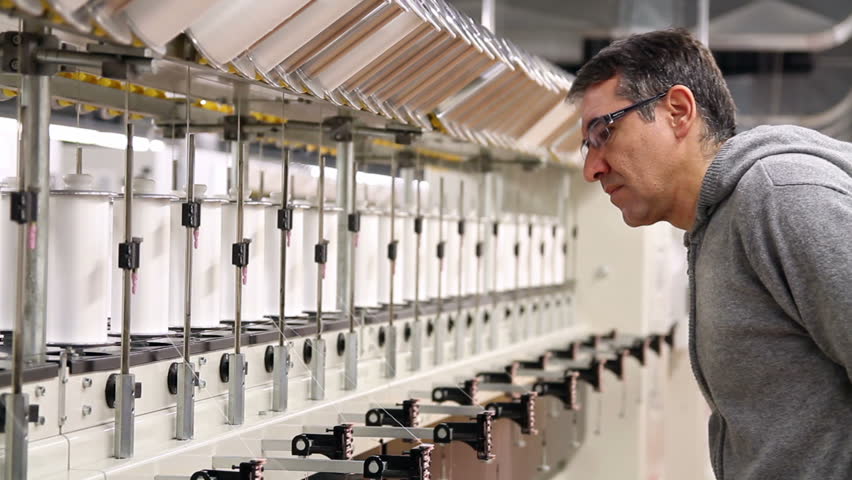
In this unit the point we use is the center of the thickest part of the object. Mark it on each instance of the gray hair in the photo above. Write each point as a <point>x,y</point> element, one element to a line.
<point>650,63</point>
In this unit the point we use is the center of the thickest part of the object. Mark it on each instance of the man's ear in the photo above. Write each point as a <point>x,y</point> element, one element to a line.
<point>681,110</point>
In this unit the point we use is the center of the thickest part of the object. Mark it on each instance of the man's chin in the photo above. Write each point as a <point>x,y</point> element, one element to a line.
<point>635,220</point>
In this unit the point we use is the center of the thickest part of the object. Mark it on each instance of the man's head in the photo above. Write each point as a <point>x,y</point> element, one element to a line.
<point>651,158</point>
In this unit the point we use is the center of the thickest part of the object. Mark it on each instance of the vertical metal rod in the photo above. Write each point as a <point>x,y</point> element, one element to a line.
<point>352,256</point>
<point>440,241</point>
<point>461,324</point>
<point>345,245</point>
<point>128,238</point>
<point>34,147</point>
<point>238,273</point>
<point>320,233</point>
<point>79,169</point>
<point>392,263</point>
<point>285,200</point>
<point>190,235</point>
<point>418,240</point>
<point>488,14</point>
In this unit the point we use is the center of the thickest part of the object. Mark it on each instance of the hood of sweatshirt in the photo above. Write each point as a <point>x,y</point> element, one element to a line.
<point>743,150</point>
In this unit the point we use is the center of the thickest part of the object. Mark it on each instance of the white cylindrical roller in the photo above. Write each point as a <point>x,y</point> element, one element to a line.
<point>293,297</point>
<point>408,242</point>
<point>431,237</point>
<point>206,264</point>
<point>80,259</point>
<point>231,27</point>
<point>538,244</point>
<point>469,252</point>
<point>8,263</point>
<point>254,291</point>
<point>506,255</point>
<point>309,240</point>
<point>383,271</point>
<point>156,22</point>
<point>560,252</point>
<point>367,261</point>
<point>152,223</point>
<point>523,231</point>
<point>298,30</point>
<point>451,255</point>
<point>551,257</point>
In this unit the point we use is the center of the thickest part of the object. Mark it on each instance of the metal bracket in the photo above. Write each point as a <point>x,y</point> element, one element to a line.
<point>336,446</point>
<point>406,416</point>
<point>19,49</point>
<point>565,390</point>
<point>476,434</point>
<point>341,128</point>
<point>521,412</point>
<point>464,395</point>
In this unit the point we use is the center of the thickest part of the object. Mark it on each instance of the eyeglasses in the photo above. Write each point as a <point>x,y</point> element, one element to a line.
<point>599,131</point>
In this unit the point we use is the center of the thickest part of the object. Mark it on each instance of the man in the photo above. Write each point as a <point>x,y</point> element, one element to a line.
<point>768,215</point>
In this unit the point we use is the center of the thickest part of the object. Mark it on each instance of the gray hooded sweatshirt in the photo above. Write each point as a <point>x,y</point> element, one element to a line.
<point>770,270</point>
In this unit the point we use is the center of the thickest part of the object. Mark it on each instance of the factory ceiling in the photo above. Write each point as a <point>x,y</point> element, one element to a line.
<point>785,61</point>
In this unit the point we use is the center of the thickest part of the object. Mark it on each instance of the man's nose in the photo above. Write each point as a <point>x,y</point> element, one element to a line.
<point>595,166</point>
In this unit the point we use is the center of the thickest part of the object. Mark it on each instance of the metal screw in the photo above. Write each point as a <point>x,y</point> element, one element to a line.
<point>62,420</point>
<point>87,382</point>
<point>41,420</point>
<point>202,361</point>
<point>14,64</point>
<point>87,410</point>
<point>39,391</point>
<point>16,40</point>
<point>202,383</point>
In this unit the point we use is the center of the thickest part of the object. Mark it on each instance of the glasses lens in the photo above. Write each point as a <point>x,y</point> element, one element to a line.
<point>598,133</point>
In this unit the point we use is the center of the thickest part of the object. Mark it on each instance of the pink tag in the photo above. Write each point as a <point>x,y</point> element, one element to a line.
<point>244,272</point>
<point>195,237</point>
<point>288,238</point>
<point>134,278</point>
<point>32,236</point>
<point>323,271</point>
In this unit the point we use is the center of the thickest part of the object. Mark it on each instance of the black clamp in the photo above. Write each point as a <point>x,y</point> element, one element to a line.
<point>128,254</point>
<point>231,133</point>
<point>516,249</point>
<point>461,227</point>
<point>321,252</point>
<point>530,230</point>
<point>285,218</point>
<point>353,222</point>
<point>23,206</point>
<point>32,413</point>
<point>336,446</point>
<point>464,395</point>
<point>542,248</point>
<point>190,214</point>
<point>495,228</point>
<point>19,51</point>
<point>172,377</point>
<point>440,250</point>
<point>521,412</point>
<point>616,364</point>
<point>407,416</point>
<point>564,248</point>
<point>240,253</point>
<point>341,128</point>
<point>591,374</point>
<point>251,470</point>
<point>594,341</point>
<point>415,464</point>
<point>538,364</point>
<point>392,248</point>
<point>570,353</point>
<point>418,224</point>
<point>479,248</point>
<point>476,434</point>
<point>110,393</point>
<point>565,390</point>
<point>639,349</point>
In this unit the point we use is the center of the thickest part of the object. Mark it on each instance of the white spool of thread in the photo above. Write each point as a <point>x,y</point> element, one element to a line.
<point>451,255</point>
<point>206,264</point>
<point>80,259</point>
<point>152,223</point>
<point>293,295</point>
<point>523,226</point>
<point>366,261</point>
<point>469,252</point>
<point>309,240</point>
<point>383,271</point>
<point>505,267</point>
<point>431,238</point>
<point>231,27</point>
<point>408,241</point>
<point>254,301</point>
<point>8,259</point>
<point>156,22</point>
<point>536,242</point>
<point>560,255</point>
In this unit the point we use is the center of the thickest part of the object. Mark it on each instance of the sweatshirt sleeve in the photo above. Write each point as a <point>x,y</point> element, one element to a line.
<point>800,245</point>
